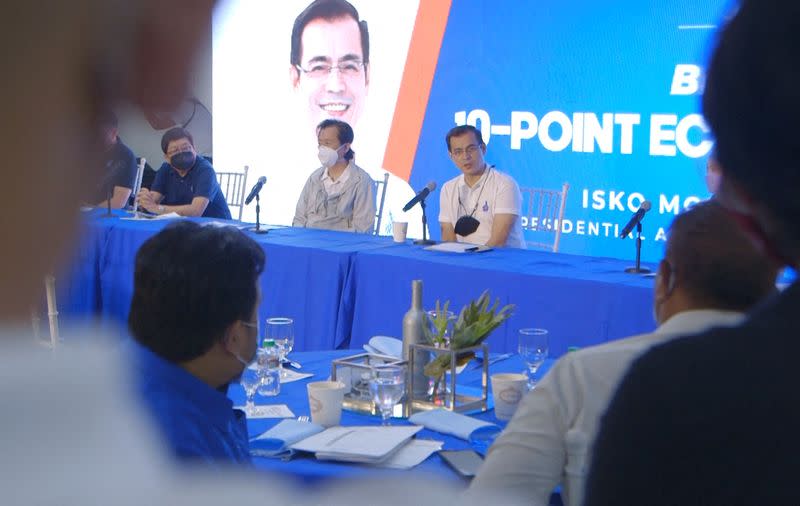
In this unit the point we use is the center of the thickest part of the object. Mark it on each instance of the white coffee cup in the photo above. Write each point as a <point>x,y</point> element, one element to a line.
<point>325,401</point>
<point>508,389</point>
<point>399,230</point>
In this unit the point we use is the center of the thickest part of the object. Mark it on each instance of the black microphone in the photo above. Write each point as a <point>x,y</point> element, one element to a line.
<point>635,219</point>
<point>256,189</point>
<point>421,195</point>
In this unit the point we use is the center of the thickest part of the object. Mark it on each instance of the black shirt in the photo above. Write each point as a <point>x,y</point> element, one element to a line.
<point>120,171</point>
<point>709,419</point>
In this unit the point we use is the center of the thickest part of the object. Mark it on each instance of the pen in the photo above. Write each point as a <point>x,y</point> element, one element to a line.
<point>474,248</point>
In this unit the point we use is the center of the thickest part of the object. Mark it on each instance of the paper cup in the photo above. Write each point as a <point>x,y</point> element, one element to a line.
<point>325,402</point>
<point>399,230</point>
<point>507,391</point>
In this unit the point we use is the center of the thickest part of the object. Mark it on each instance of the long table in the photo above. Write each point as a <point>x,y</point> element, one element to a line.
<point>343,288</point>
<point>309,470</point>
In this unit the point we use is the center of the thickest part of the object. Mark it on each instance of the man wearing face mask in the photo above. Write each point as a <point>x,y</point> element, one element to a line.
<point>709,277</point>
<point>483,205</point>
<point>194,316</point>
<point>186,184</point>
<point>340,195</point>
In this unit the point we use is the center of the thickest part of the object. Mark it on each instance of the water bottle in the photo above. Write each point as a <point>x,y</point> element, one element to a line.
<point>269,370</point>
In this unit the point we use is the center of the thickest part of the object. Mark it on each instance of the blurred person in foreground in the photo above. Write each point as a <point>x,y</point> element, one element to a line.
<point>194,314</point>
<point>70,434</point>
<point>709,277</point>
<point>712,419</point>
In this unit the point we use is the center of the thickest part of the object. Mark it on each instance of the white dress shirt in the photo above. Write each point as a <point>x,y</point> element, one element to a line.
<point>494,193</point>
<point>548,441</point>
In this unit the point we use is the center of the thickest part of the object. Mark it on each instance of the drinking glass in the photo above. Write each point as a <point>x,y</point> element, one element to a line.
<point>435,316</point>
<point>533,348</point>
<point>387,384</point>
<point>250,381</point>
<point>281,330</point>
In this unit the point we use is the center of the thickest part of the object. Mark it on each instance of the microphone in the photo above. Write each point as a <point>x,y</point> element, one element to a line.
<point>256,189</point>
<point>635,219</point>
<point>421,195</point>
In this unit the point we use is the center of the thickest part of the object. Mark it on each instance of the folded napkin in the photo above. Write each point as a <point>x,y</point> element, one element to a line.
<point>276,441</point>
<point>386,345</point>
<point>455,424</point>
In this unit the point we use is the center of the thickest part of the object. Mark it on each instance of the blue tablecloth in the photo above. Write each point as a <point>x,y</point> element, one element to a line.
<point>305,277</point>
<point>580,300</point>
<point>342,288</point>
<point>307,469</point>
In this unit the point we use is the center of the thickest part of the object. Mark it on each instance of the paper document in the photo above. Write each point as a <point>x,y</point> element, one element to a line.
<point>458,247</point>
<point>270,411</point>
<point>359,444</point>
<point>412,454</point>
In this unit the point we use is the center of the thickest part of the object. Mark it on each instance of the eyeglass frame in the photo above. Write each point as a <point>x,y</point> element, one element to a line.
<point>471,150</point>
<point>328,68</point>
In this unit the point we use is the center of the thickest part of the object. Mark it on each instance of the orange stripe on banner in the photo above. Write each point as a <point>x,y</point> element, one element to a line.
<point>415,88</point>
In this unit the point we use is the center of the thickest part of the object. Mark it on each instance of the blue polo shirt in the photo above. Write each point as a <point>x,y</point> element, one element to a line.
<point>200,181</point>
<point>197,421</point>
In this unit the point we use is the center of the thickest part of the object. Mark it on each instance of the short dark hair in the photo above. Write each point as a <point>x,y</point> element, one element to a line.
<point>329,10</point>
<point>461,130</point>
<point>175,134</point>
<point>713,259</point>
<point>190,284</point>
<point>751,102</point>
<point>344,132</point>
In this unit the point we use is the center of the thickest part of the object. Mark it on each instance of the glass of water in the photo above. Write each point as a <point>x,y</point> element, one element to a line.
<point>387,385</point>
<point>281,330</point>
<point>250,381</point>
<point>533,348</point>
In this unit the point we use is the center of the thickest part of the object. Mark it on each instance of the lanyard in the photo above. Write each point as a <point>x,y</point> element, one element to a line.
<point>480,194</point>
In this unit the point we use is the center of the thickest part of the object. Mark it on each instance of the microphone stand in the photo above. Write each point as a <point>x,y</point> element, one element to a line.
<point>424,241</point>
<point>637,268</point>
<point>257,229</point>
<point>109,195</point>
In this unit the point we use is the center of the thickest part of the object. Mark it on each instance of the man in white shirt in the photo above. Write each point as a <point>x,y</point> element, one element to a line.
<point>710,275</point>
<point>482,205</point>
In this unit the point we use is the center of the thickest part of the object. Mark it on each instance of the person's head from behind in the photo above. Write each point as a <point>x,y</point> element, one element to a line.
<point>751,103</point>
<point>109,125</point>
<point>195,299</point>
<point>709,263</point>
<point>466,148</point>
<point>178,147</point>
<point>329,60</point>
<point>334,139</point>
<point>89,57</point>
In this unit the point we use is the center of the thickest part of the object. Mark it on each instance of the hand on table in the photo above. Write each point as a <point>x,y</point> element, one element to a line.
<point>146,201</point>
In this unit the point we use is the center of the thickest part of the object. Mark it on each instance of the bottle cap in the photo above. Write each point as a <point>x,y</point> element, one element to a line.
<point>573,348</point>
<point>268,343</point>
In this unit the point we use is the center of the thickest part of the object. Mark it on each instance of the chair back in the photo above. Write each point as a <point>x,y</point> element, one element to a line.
<point>380,193</point>
<point>52,315</point>
<point>543,212</point>
<point>234,188</point>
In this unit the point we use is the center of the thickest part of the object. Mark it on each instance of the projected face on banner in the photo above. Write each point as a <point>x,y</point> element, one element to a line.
<point>332,76</point>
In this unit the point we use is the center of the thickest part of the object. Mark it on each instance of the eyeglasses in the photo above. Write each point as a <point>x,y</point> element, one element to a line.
<point>322,70</point>
<point>179,149</point>
<point>471,150</point>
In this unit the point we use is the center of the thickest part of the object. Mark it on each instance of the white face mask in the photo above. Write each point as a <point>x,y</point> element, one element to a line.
<point>328,156</point>
<point>257,326</point>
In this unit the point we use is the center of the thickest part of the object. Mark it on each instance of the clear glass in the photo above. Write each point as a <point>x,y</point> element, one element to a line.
<point>433,316</point>
<point>250,381</point>
<point>533,348</point>
<point>387,384</point>
<point>281,330</point>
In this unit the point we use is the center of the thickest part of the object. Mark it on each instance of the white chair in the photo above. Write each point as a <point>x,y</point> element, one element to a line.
<point>52,315</point>
<point>380,193</point>
<point>234,188</point>
<point>543,212</point>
